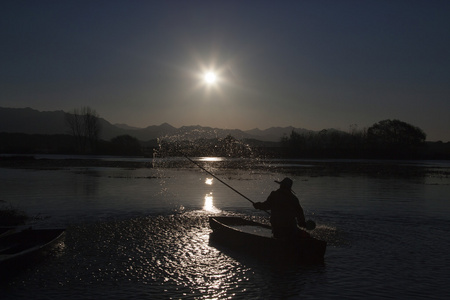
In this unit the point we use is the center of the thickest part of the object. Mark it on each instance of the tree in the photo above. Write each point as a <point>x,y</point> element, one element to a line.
<point>395,137</point>
<point>295,144</point>
<point>395,132</point>
<point>85,127</point>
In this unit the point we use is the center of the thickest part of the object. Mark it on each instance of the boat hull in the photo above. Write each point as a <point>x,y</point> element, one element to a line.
<point>228,231</point>
<point>19,249</point>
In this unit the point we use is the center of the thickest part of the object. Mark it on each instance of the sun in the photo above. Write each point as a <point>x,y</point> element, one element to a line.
<point>210,77</point>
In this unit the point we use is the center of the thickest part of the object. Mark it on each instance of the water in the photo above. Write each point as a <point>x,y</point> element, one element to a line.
<point>142,233</point>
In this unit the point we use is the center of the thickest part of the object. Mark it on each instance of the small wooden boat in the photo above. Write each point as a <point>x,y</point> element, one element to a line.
<point>18,248</point>
<point>256,239</point>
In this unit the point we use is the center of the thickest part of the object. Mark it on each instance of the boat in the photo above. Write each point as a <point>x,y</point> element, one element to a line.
<point>19,248</point>
<point>256,239</point>
<point>4,231</point>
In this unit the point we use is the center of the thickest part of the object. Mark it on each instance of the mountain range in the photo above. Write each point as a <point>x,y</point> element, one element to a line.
<point>31,121</point>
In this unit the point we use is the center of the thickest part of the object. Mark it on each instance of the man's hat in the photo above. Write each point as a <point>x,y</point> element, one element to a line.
<point>285,183</point>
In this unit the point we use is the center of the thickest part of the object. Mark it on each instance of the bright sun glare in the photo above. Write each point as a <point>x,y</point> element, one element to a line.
<point>210,77</point>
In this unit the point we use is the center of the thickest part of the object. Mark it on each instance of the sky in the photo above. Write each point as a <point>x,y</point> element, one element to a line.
<point>308,64</point>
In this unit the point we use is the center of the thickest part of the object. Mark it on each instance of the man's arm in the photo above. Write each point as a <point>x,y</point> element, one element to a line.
<point>266,205</point>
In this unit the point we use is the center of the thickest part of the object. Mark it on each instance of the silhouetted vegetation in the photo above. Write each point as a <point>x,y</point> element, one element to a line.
<point>85,127</point>
<point>391,139</point>
<point>326,143</point>
<point>21,143</point>
<point>394,138</point>
<point>388,139</point>
<point>125,145</point>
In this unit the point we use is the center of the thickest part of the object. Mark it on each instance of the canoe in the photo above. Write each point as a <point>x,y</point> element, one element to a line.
<point>257,240</point>
<point>19,248</point>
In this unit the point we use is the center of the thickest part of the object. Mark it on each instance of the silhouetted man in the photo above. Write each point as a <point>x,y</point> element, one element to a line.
<point>286,211</point>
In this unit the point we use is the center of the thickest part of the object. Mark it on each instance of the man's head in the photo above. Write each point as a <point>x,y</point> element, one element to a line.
<point>286,183</point>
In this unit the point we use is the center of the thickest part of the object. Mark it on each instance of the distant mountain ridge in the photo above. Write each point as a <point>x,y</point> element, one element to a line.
<point>31,121</point>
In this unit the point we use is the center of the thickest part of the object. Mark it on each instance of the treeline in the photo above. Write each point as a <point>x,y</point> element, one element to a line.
<point>84,138</point>
<point>388,139</point>
<point>21,143</point>
<point>126,145</point>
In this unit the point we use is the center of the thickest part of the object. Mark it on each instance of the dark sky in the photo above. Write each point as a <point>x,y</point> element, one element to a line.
<point>311,64</point>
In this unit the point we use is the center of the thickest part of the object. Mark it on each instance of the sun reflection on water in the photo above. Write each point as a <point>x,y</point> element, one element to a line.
<point>170,254</point>
<point>209,204</point>
<point>211,159</point>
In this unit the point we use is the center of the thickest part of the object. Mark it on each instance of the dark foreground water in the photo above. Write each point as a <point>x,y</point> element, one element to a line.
<point>143,234</point>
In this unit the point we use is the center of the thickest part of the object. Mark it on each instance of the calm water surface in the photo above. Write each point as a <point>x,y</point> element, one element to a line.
<point>143,234</point>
